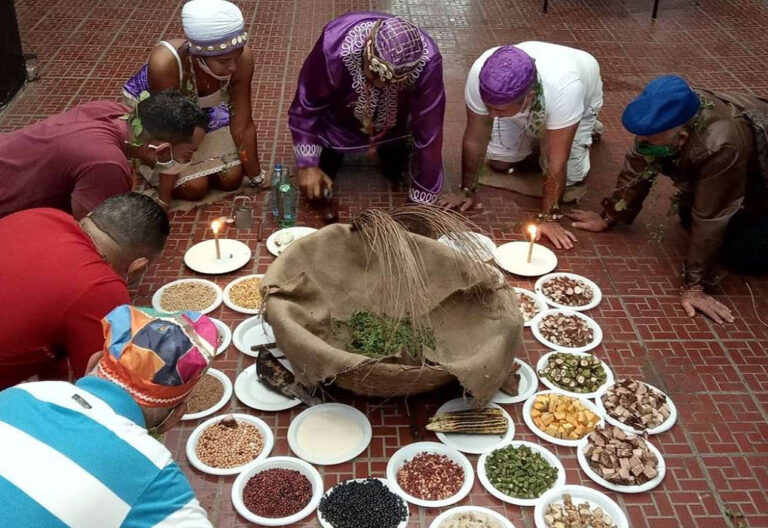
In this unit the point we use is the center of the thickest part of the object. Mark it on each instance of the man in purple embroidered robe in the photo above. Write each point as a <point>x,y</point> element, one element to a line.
<point>372,81</point>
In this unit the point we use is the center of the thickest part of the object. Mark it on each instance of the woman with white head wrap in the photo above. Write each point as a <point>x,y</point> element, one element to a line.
<point>214,66</point>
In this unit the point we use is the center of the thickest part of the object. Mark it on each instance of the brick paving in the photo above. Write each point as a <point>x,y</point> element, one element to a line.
<point>717,454</point>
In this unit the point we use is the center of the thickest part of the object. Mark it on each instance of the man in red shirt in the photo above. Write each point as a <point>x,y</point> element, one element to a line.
<point>60,277</point>
<point>75,160</point>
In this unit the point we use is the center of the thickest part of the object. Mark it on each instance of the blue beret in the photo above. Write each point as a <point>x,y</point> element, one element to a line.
<point>666,102</point>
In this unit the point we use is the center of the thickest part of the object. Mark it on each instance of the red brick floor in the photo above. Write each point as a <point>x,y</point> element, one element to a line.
<point>717,454</point>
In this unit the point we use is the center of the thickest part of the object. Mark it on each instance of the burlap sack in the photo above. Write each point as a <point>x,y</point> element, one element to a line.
<point>329,275</point>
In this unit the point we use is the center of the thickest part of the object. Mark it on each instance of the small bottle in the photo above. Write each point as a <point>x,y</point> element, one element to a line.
<point>277,179</point>
<point>286,199</point>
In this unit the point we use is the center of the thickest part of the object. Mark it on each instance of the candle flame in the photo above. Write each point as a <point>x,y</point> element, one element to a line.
<point>215,225</point>
<point>532,230</point>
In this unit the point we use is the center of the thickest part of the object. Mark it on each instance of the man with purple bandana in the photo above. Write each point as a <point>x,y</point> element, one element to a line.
<point>528,97</point>
<point>373,82</point>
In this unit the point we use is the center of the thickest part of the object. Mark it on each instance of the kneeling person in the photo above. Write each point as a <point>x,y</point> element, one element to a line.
<point>714,147</point>
<point>82,455</point>
<point>76,160</point>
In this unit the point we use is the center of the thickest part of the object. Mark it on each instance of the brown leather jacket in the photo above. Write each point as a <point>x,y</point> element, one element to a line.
<point>722,168</point>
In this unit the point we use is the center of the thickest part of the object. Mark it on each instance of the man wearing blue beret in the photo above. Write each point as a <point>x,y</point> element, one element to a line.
<point>714,147</point>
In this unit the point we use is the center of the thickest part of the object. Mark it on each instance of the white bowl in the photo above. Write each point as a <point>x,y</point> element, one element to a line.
<point>543,362</point>
<point>225,397</point>
<point>584,463</point>
<point>529,384</point>
<point>404,454</point>
<point>251,392</point>
<point>474,443</point>
<point>456,241</point>
<point>230,303</point>
<point>253,332</point>
<point>538,299</point>
<point>159,293</point>
<point>351,413</point>
<point>513,257</point>
<point>598,332</point>
<point>597,295</point>
<point>226,335</point>
<point>404,524</point>
<point>298,232</point>
<point>496,516</point>
<point>544,436</point>
<point>666,425</point>
<point>278,463</point>
<point>546,453</point>
<point>266,434</point>
<point>580,495</point>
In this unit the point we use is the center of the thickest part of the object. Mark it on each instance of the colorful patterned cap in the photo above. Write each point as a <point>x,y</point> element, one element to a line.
<point>396,45</point>
<point>158,360</point>
<point>213,27</point>
<point>506,75</point>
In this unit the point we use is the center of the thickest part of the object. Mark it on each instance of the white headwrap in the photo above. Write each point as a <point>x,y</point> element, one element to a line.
<point>213,27</point>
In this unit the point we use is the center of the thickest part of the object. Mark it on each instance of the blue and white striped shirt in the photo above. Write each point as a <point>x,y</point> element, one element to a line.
<point>80,456</point>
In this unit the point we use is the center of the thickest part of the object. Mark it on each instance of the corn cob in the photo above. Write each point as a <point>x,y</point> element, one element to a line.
<point>484,421</point>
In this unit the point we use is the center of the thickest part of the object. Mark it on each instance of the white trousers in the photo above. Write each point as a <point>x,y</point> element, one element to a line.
<point>510,143</point>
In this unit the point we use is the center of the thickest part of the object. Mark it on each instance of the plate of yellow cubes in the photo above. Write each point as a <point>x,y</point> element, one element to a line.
<point>559,418</point>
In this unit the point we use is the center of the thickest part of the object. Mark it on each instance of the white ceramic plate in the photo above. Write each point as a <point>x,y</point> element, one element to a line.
<point>225,397</point>
<point>529,383</point>
<point>202,256</point>
<point>278,463</point>
<point>297,232</point>
<point>543,362</point>
<point>404,524</point>
<point>580,495</point>
<point>664,426</point>
<point>474,443</point>
<point>254,332</point>
<point>347,412</point>
<point>159,293</point>
<point>597,295</point>
<point>229,302</point>
<point>544,436</point>
<point>404,454</point>
<point>226,335</point>
<point>252,393</point>
<point>598,332</point>
<point>661,468</point>
<point>453,241</point>
<point>499,518</point>
<point>266,434</point>
<point>538,299</point>
<point>546,453</point>
<point>513,257</point>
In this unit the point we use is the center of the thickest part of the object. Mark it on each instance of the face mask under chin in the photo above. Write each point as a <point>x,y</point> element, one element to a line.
<point>204,66</point>
<point>170,167</point>
<point>655,151</point>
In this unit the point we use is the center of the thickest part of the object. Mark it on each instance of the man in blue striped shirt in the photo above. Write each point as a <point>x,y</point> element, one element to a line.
<point>81,455</point>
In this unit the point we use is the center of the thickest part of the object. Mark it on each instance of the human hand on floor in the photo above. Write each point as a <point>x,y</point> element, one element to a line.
<point>458,202</point>
<point>313,181</point>
<point>587,221</point>
<point>694,299</point>
<point>560,236</point>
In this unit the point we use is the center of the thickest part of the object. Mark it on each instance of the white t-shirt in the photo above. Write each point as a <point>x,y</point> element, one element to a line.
<point>570,79</point>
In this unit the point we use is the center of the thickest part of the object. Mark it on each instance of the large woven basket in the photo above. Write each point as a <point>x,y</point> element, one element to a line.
<point>388,380</point>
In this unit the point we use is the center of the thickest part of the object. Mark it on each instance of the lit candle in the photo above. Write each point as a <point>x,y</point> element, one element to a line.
<point>532,232</point>
<point>216,225</point>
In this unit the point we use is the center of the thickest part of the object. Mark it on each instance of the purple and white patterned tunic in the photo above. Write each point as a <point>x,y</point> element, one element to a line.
<point>333,100</point>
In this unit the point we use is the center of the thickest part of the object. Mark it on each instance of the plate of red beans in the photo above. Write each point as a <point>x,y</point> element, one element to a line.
<point>430,474</point>
<point>278,491</point>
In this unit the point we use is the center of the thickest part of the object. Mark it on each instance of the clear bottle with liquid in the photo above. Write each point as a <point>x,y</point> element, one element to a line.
<point>277,178</point>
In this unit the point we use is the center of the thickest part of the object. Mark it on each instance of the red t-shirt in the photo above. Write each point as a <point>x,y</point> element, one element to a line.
<point>78,155</point>
<point>54,290</point>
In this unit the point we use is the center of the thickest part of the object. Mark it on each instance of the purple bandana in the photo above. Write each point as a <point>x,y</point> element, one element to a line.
<point>506,75</point>
<point>399,43</point>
